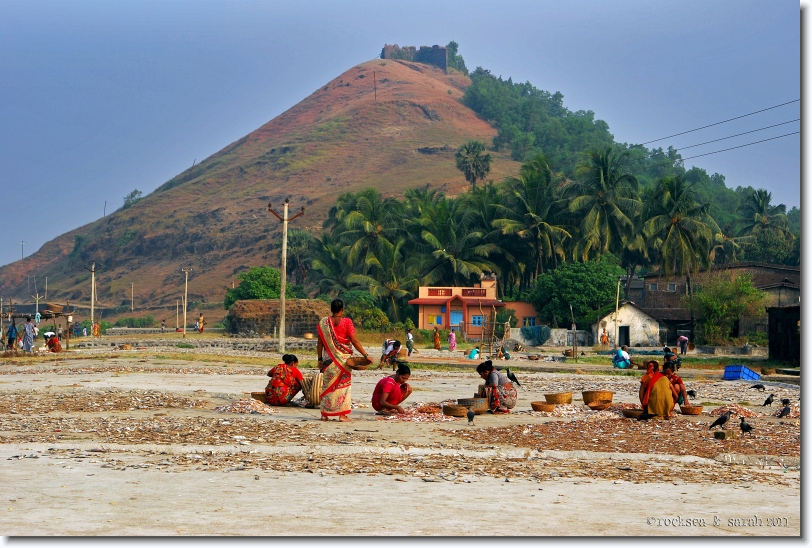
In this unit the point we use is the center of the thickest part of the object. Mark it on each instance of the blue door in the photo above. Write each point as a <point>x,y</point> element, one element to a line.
<point>456,317</point>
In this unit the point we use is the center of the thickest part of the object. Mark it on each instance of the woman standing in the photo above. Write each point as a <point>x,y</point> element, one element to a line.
<point>336,338</point>
<point>498,389</point>
<point>437,345</point>
<point>452,341</point>
<point>286,381</point>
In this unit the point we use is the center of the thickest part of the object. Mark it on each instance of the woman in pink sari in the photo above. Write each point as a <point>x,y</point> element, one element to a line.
<point>452,341</point>
<point>336,339</point>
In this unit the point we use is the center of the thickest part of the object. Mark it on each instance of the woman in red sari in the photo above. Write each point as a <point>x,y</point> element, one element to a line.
<point>336,339</point>
<point>286,381</point>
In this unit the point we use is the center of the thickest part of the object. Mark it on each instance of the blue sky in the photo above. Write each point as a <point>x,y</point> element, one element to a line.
<point>99,98</point>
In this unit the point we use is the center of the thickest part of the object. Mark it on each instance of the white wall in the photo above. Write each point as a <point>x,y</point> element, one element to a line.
<point>643,329</point>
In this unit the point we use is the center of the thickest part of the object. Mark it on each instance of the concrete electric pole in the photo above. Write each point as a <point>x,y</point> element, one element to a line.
<point>92,271</point>
<point>185,298</point>
<point>284,273</point>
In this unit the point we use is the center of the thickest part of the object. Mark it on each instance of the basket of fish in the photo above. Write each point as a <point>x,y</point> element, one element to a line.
<point>690,409</point>
<point>453,410</point>
<point>543,407</point>
<point>596,395</point>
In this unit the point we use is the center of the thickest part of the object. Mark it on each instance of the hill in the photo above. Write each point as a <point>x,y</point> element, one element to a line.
<point>213,217</point>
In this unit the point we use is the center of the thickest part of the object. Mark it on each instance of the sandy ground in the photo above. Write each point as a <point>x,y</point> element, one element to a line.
<point>334,478</point>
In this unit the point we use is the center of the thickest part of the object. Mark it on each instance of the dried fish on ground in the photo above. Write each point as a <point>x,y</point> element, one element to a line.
<point>247,406</point>
<point>735,409</point>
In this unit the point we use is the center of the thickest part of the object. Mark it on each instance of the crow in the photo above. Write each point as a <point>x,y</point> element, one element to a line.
<point>645,416</point>
<point>746,428</point>
<point>785,401</point>
<point>769,401</point>
<point>759,387</point>
<point>784,412</point>
<point>512,377</point>
<point>691,393</point>
<point>721,421</point>
<point>471,415</point>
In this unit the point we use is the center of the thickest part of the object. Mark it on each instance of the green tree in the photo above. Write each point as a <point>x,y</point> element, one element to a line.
<point>301,244</point>
<point>587,286</point>
<point>471,161</point>
<point>532,212</point>
<point>392,281</point>
<point>132,198</point>
<point>259,282</point>
<point>455,60</point>
<point>329,270</point>
<point>760,214</point>
<point>719,304</point>
<point>605,197</point>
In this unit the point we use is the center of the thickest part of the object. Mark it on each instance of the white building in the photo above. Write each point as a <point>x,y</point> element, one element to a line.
<point>634,327</point>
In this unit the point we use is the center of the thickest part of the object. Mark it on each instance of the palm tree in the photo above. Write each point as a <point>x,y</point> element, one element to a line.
<point>393,280</point>
<point>759,214</point>
<point>362,222</point>
<point>329,270</point>
<point>606,199</point>
<point>300,245</point>
<point>473,164</point>
<point>680,230</point>
<point>532,210</point>
<point>452,252</point>
<point>727,248</point>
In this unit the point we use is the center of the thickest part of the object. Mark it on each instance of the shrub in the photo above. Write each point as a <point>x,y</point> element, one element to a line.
<point>148,321</point>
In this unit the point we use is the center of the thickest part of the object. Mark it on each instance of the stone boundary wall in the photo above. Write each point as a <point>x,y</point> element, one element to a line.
<point>157,330</point>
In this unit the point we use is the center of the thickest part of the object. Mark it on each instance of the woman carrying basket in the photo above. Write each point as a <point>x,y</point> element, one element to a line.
<point>336,339</point>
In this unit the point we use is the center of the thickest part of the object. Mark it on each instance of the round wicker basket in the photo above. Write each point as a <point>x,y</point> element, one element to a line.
<point>563,397</point>
<point>631,413</point>
<point>542,406</point>
<point>599,405</point>
<point>429,410</point>
<point>690,409</point>
<point>454,410</point>
<point>359,364</point>
<point>258,396</point>
<point>315,390</point>
<point>480,405</point>
<point>597,395</point>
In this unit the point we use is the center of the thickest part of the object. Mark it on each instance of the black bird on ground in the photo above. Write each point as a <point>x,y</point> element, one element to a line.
<point>645,416</point>
<point>784,412</point>
<point>721,421</point>
<point>759,387</point>
<point>785,401</point>
<point>471,415</point>
<point>691,393</point>
<point>746,428</point>
<point>512,377</point>
<point>769,400</point>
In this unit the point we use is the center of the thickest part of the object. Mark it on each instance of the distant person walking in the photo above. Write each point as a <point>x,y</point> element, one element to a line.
<point>84,331</point>
<point>163,326</point>
<point>683,344</point>
<point>409,341</point>
<point>59,333</point>
<point>28,335</point>
<point>604,338</point>
<point>452,341</point>
<point>437,345</point>
<point>200,323</point>
<point>12,336</point>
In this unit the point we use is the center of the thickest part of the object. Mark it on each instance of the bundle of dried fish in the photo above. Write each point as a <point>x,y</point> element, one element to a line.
<point>735,409</point>
<point>246,406</point>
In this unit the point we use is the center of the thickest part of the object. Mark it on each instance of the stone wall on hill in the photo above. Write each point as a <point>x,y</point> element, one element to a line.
<point>262,317</point>
<point>434,55</point>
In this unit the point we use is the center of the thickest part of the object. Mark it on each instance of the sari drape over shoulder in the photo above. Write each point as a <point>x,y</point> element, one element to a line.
<point>659,399</point>
<point>336,394</point>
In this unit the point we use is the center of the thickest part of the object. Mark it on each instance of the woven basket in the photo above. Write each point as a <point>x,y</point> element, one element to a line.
<point>258,396</point>
<point>480,405</point>
<point>532,357</point>
<point>563,397</point>
<point>429,410</point>
<point>454,410</point>
<point>597,395</point>
<point>359,364</point>
<point>631,413</point>
<point>315,390</point>
<point>599,405</point>
<point>542,406</point>
<point>690,409</point>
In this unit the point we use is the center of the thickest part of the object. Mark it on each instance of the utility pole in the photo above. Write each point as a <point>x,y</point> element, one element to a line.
<point>46,288</point>
<point>375,84</point>
<point>185,298</point>
<point>282,286</point>
<point>37,298</point>
<point>132,297</point>
<point>617,307</point>
<point>92,271</point>
<point>177,314</point>
<point>22,252</point>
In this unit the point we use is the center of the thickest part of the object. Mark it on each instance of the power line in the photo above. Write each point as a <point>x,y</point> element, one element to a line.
<point>740,134</point>
<point>722,122</point>
<point>742,146</point>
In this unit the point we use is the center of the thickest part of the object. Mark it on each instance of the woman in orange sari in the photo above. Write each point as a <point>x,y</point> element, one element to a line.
<point>336,338</point>
<point>658,399</point>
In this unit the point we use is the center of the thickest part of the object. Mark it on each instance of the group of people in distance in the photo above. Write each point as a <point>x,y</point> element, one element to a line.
<point>336,343</point>
<point>661,392</point>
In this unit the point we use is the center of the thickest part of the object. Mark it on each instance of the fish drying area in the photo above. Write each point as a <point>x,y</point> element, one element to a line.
<point>151,446</point>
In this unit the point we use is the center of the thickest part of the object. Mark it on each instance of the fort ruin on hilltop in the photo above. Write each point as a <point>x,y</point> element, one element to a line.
<point>434,55</point>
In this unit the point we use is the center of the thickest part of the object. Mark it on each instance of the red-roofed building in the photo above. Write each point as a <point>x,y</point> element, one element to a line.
<point>465,309</point>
